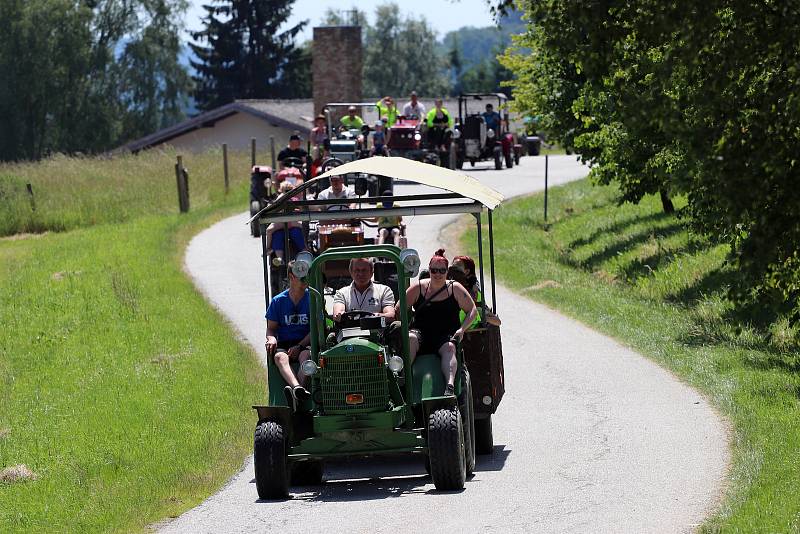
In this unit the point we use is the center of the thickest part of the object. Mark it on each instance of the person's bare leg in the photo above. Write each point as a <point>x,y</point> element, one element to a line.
<point>396,236</point>
<point>413,346</point>
<point>449,362</point>
<point>304,355</point>
<point>382,234</point>
<point>282,363</point>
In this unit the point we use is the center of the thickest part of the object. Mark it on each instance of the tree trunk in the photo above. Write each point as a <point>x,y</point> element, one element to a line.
<point>666,203</point>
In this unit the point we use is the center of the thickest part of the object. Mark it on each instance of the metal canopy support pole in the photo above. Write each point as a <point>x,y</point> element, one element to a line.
<point>491,263</point>
<point>480,264</point>
<point>265,258</point>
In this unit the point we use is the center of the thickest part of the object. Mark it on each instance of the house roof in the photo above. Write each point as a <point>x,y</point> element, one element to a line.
<point>292,114</point>
<point>283,113</point>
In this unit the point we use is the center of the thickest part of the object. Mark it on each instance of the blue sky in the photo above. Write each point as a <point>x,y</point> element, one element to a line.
<point>443,15</point>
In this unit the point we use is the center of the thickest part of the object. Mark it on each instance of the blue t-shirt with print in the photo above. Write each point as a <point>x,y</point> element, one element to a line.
<point>293,320</point>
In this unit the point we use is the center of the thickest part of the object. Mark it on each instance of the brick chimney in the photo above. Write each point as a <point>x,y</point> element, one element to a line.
<point>336,67</point>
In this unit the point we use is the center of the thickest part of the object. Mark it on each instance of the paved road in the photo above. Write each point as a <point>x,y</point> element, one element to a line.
<point>590,437</point>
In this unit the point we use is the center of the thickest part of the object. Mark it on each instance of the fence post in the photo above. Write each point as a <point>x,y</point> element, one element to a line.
<point>182,178</point>
<point>272,151</point>
<point>252,151</point>
<point>225,165</point>
<point>29,187</point>
<point>545,187</point>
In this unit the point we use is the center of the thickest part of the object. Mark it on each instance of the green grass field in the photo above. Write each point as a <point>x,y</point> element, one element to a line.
<point>639,276</point>
<point>76,192</point>
<point>121,389</point>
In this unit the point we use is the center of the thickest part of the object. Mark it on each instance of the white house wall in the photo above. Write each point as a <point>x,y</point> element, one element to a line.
<point>236,130</point>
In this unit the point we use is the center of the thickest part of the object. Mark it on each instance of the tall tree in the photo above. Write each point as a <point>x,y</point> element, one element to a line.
<point>399,56</point>
<point>241,52</point>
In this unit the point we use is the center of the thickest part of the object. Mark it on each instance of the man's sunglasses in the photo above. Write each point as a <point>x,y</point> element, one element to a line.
<point>438,270</point>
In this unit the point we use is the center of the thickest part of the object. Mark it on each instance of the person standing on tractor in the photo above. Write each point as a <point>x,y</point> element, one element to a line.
<point>437,327</point>
<point>363,294</point>
<point>293,150</point>
<point>439,121</point>
<point>387,109</point>
<point>351,121</point>
<point>319,139</point>
<point>414,108</point>
<point>288,335</point>
<point>389,226</point>
<point>492,118</point>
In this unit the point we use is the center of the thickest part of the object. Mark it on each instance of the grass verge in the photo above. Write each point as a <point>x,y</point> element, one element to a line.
<point>639,276</point>
<point>121,389</point>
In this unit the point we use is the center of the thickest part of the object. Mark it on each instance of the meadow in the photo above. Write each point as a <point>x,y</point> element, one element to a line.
<point>122,392</point>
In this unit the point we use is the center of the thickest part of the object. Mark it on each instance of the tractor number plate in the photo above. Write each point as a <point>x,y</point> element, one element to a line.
<point>354,398</point>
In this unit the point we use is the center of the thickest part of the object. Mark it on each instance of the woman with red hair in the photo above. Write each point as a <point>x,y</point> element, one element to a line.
<point>437,303</point>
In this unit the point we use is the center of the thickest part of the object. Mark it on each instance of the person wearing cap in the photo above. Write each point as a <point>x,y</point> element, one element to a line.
<point>351,121</point>
<point>379,140</point>
<point>438,121</point>
<point>414,108</point>
<point>336,190</point>
<point>388,109</point>
<point>293,150</point>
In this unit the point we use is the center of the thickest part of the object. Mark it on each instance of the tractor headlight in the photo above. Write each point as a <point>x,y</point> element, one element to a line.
<point>410,259</point>
<point>396,364</point>
<point>302,264</point>
<point>490,134</point>
<point>456,133</point>
<point>487,400</point>
<point>308,368</point>
<point>417,137</point>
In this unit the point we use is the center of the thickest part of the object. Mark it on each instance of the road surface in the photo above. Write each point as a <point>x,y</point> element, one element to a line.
<point>590,436</point>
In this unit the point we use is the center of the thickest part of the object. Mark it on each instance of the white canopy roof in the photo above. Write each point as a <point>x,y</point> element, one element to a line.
<point>423,173</point>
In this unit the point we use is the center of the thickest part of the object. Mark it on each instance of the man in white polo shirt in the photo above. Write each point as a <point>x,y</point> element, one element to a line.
<point>363,294</point>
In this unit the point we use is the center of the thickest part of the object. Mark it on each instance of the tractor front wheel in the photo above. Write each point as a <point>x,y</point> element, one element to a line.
<point>446,449</point>
<point>509,161</point>
<point>484,441</point>
<point>269,458</point>
<point>498,160</point>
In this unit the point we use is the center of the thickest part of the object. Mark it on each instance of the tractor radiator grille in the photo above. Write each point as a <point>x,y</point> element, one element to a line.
<point>353,375</point>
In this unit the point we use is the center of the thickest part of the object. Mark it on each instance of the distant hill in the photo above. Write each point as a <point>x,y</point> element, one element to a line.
<point>478,44</point>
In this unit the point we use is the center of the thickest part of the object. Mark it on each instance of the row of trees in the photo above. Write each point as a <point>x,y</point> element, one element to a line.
<point>79,76</point>
<point>697,99</point>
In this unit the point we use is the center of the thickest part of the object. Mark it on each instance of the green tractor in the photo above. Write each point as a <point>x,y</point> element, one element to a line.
<point>367,398</point>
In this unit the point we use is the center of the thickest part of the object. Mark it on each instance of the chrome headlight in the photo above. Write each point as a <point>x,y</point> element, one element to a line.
<point>395,364</point>
<point>410,259</point>
<point>490,134</point>
<point>456,133</point>
<point>308,368</point>
<point>302,264</point>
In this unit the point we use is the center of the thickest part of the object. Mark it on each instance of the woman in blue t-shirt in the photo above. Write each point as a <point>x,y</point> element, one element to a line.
<point>288,335</point>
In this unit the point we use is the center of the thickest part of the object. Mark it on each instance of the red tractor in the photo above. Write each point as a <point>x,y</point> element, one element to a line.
<point>484,135</point>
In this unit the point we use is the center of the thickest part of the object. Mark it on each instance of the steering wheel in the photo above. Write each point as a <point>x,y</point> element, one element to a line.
<point>330,163</point>
<point>352,317</point>
<point>292,161</point>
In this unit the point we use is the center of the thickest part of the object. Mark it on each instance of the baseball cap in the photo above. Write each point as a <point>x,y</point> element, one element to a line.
<point>294,137</point>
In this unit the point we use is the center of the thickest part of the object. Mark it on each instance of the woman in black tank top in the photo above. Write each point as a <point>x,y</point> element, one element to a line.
<point>436,304</point>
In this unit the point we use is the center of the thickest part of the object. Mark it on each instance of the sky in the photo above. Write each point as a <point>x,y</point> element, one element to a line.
<point>442,15</point>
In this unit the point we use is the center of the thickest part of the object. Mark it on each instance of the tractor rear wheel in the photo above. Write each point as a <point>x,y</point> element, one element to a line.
<point>509,161</point>
<point>446,449</point>
<point>516,157</point>
<point>269,458</point>
<point>468,420</point>
<point>484,442</point>
<point>307,473</point>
